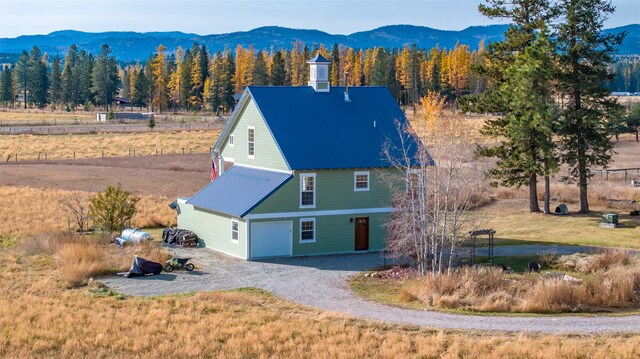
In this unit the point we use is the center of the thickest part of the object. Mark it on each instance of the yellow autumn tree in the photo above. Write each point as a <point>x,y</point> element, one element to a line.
<point>160,75</point>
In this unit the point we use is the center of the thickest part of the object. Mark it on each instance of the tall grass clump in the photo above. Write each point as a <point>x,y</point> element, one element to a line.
<point>80,257</point>
<point>609,280</point>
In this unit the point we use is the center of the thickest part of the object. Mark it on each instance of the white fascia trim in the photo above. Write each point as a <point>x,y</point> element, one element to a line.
<point>261,168</point>
<point>319,213</point>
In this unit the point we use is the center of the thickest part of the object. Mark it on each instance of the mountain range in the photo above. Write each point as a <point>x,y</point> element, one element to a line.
<point>133,46</point>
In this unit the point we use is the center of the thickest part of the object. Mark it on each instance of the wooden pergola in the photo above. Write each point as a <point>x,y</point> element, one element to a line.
<point>473,235</point>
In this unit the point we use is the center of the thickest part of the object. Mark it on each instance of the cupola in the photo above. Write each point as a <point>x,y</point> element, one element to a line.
<point>319,73</point>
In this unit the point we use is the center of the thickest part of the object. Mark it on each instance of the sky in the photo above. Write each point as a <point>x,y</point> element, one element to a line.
<point>29,17</point>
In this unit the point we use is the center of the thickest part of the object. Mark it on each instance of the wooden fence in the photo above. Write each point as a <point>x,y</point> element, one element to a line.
<point>130,152</point>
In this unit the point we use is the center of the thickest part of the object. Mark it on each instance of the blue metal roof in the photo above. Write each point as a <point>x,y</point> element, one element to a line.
<point>317,130</point>
<point>238,190</point>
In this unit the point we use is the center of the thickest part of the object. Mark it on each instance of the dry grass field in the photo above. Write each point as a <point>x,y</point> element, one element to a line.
<point>30,211</point>
<point>40,317</point>
<point>33,147</point>
<point>168,176</point>
<point>35,116</point>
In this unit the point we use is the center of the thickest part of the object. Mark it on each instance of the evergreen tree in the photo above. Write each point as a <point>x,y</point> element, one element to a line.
<point>6,86</point>
<point>260,74</point>
<point>585,53</point>
<point>526,149</point>
<point>55,95</point>
<point>277,77</point>
<point>84,71</point>
<point>528,18</point>
<point>105,81</point>
<point>334,67</point>
<point>185,80</point>
<point>140,93</point>
<point>228,72</point>
<point>70,80</point>
<point>38,83</point>
<point>21,77</point>
<point>380,69</point>
<point>215,97</point>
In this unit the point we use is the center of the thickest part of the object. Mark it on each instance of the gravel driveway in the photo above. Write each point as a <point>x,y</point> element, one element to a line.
<point>321,281</point>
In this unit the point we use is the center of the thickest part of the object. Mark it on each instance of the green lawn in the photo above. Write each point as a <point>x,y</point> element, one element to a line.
<point>574,229</point>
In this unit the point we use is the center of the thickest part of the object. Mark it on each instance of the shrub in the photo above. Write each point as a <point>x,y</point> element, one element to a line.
<point>113,208</point>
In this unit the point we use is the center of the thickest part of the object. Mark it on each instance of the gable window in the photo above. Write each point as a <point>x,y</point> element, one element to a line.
<point>361,181</point>
<point>251,142</point>
<point>307,190</point>
<point>307,230</point>
<point>231,138</point>
<point>234,230</point>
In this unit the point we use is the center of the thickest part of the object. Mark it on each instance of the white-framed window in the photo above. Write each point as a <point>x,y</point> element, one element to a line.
<point>307,230</point>
<point>361,181</point>
<point>307,190</point>
<point>251,142</point>
<point>234,230</point>
<point>322,73</point>
<point>231,138</point>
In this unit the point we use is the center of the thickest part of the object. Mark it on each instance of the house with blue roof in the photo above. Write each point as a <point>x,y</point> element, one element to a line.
<point>301,172</point>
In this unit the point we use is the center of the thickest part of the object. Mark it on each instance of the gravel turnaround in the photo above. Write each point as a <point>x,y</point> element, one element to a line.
<point>322,282</point>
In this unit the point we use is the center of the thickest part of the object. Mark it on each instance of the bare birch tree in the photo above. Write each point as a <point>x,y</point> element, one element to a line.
<point>435,160</point>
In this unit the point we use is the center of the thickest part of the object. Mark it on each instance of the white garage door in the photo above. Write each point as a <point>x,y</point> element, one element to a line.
<point>271,239</point>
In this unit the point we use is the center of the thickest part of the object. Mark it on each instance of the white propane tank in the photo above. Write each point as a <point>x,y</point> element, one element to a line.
<point>134,235</point>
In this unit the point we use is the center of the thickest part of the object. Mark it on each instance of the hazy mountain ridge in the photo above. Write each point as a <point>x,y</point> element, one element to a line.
<point>131,46</point>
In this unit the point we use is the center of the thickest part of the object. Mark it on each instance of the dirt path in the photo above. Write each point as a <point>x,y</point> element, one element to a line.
<point>322,282</point>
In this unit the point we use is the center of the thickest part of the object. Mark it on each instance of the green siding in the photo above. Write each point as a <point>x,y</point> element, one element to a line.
<point>213,229</point>
<point>267,153</point>
<point>334,190</point>
<point>336,234</point>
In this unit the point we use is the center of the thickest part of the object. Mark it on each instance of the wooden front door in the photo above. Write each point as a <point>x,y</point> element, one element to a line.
<point>362,233</point>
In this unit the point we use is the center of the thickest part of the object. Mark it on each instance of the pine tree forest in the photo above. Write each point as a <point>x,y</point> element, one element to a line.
<point>195,79</point>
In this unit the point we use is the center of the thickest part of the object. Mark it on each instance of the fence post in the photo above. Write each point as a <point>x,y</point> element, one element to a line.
<point>45,156</point>
<point>183,150</point>
<point>160,151</point>
<point>189,150</point>
<point>74,155</point>
<point>102,151</point>
<point>16,157</point>
<point>38,156</point>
